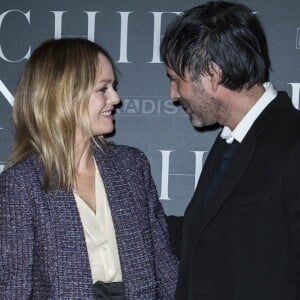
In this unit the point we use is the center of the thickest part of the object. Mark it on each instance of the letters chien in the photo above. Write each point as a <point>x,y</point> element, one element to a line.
<point>131,105</point>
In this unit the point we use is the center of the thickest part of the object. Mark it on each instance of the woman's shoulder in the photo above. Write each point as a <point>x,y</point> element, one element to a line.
<point>122,152</point>
<point>131,154</point>
<point>127,150</point>
<point>20,170</point>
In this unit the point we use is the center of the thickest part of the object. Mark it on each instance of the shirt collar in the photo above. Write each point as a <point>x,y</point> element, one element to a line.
<point>247,121</point>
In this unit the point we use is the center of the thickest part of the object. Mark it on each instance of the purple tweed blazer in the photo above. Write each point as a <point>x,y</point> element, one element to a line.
<point>43,254</point>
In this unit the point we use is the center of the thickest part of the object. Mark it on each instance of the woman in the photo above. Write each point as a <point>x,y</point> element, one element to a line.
<point>79,217</point>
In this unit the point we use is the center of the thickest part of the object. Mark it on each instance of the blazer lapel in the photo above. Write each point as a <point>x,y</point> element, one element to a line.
<point>64,232</point>
<point>134,257</point>
<point>230,180</point>
<point>238,164</point>
<point>208,168</point>
<point>63,213</point>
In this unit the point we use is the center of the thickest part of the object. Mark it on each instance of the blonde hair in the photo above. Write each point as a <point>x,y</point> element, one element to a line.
<point>51,100</point>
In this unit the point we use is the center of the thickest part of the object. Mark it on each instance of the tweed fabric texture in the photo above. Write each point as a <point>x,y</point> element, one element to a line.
<point>42,245</point>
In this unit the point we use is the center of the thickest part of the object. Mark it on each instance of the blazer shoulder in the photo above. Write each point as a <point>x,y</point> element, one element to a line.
<point>19,179</point>
<point>129,151</point>
<point>288,116</point>
<point>19,170</point>
<point>124,153</point>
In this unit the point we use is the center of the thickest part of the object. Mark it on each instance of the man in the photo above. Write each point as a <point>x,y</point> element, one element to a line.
<point>240,235</point>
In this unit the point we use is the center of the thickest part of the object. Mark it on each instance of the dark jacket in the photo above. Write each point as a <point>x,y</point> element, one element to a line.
<point>244,244</point>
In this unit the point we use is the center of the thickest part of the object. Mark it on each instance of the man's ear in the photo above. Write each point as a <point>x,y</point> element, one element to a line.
<point>215,76</point>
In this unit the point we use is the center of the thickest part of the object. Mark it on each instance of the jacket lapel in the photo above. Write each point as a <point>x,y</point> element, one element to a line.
<point>238,164</point>
<point>230,180</point>
<point>134,257</point>
<point>209,166</point>
<point>62,227</point>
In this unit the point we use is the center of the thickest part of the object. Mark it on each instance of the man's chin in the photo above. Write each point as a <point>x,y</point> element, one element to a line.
<point>196,123</point>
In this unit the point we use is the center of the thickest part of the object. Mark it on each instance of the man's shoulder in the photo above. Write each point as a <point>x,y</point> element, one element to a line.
<point>284,100</point>
<point>287,111</point>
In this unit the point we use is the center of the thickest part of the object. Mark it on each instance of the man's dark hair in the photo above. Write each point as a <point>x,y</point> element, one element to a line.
<point>225,33</point>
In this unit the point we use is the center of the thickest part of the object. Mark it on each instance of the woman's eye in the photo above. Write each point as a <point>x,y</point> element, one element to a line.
<point>103,90</point>
<point>115,85</point>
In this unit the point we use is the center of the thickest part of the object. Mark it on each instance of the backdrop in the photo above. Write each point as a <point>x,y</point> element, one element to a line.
<point>131,31</point>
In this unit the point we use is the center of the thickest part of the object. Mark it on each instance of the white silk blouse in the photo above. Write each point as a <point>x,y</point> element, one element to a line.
<point>100,235</point>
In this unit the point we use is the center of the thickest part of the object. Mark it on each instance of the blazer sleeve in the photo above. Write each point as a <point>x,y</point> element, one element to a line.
<point>16,238</point>
<point>165,260</point>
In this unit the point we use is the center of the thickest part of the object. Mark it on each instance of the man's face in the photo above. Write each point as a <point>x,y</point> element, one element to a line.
<point>202,107</point>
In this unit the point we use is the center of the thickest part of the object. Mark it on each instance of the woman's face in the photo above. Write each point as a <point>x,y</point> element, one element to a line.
<point>103,99</point>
